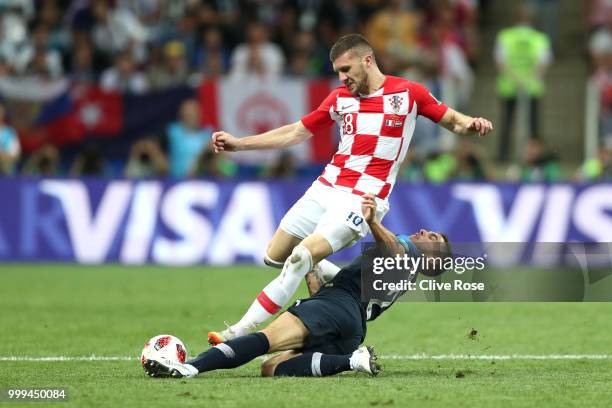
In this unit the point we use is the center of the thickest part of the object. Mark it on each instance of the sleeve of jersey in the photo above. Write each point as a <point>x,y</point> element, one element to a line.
<point>321,117</point>
<point>427,104</point>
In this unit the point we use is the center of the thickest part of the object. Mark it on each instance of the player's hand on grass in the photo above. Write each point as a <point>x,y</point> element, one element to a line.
<point>223,141</point>
<point>480,125</point>
<point>368,207</point>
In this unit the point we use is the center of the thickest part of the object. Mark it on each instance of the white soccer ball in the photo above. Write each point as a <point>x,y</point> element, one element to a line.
<point>166,346</point>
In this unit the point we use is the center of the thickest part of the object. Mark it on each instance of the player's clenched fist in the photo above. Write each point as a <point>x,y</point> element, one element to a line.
<point>480,125</point>
<point>223,141</point>
<point>368,207</point>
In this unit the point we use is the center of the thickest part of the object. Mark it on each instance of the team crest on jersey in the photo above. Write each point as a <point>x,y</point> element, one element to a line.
<point>396,103</point>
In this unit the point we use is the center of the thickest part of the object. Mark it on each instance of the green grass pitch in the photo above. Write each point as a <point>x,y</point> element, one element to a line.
<point>62,310</point>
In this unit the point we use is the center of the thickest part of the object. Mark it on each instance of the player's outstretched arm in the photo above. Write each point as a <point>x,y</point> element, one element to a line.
<point>278,138</point>
<point>462,124</point>
<point>383,237</point>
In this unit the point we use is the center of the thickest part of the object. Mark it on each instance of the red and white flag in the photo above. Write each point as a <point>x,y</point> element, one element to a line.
<point>248,107</point>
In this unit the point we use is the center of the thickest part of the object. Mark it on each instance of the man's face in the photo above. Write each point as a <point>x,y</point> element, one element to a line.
<point>428,241</point>
<point>257,34</point>
<point>190,114</point>
<point>125,64</point>
<point>351,72</point>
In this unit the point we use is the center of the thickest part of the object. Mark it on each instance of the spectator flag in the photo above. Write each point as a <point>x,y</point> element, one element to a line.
<point>253,106</point>
<point>54,112</point>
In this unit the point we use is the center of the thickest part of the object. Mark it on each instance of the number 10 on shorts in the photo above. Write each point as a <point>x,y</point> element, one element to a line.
<point>354,218</point>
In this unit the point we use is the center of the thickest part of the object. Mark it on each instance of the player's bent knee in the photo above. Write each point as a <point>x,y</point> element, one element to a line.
<point>287,332</point>
<point>281,245</point>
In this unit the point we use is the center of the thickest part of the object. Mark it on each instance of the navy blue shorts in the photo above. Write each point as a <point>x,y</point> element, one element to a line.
<point>334,321</point>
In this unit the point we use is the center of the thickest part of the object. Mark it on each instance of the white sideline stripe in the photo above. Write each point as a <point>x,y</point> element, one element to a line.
<point>68,358</point>
<point>500,357</point>
<point>386,357</point>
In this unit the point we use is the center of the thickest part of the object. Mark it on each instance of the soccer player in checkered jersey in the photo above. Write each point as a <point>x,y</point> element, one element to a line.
<point>376,114</point>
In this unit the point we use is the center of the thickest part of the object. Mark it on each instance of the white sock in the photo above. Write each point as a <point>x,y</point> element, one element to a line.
<point>277,293</point>
<point>328,270</point>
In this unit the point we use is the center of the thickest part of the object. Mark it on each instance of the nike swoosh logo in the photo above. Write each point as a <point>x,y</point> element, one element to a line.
<point>345,107</point>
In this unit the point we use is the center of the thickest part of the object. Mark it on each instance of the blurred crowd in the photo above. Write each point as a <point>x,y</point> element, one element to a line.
<point>599,25</point>
<point>139,46</point>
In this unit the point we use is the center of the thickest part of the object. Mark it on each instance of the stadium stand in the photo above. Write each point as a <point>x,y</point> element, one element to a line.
<point>85,77</point>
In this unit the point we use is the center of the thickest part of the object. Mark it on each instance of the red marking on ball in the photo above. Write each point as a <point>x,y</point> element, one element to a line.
<point>181,354</point>
<point>162,342</point>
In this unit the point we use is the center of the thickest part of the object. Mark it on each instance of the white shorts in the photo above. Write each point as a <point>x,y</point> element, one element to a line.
<point>333,213</point>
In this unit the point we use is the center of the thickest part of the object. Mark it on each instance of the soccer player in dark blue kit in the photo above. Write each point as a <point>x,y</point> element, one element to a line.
<point>321,335</point>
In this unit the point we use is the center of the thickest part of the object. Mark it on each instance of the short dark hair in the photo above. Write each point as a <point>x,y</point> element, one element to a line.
<point>449,250</point>
<point>348,42</point>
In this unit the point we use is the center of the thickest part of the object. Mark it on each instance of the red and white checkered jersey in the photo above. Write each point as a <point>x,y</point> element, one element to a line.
<point>375,133</point>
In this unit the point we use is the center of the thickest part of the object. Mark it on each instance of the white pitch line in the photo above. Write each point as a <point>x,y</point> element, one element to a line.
<point>68,358</point>
<point>500,357</point>
<point>385,357</point>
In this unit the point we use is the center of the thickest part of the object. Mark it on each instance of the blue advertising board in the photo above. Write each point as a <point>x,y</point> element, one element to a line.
<point>210,222</point>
